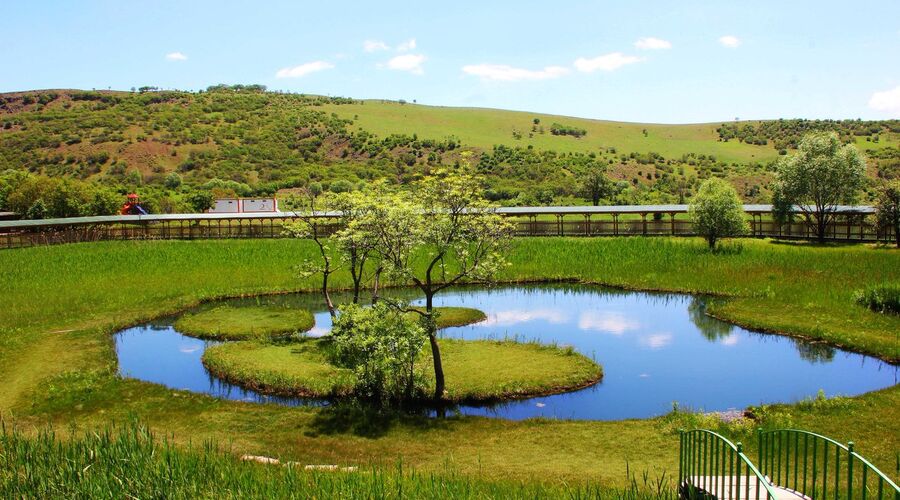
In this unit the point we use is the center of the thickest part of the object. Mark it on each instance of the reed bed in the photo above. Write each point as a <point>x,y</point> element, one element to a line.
<point>131,462</point>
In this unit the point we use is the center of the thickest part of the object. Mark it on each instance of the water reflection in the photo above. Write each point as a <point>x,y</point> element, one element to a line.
<point>710,327</point>
<point>655,349</point>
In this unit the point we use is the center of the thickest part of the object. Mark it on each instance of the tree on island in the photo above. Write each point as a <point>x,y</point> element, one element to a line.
<point>717,212</point>
<point>441,235</point>
<point>819,177</point>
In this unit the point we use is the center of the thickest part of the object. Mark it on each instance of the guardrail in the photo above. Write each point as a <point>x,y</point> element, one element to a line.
<point>853,224</point>
<point>820,467</point>
<point>711,465</point>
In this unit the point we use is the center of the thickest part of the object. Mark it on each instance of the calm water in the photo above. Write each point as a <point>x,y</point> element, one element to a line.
<point>655,349</point>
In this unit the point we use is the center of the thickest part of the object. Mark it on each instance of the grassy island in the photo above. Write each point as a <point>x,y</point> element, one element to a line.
<point>240,323</point>
<point>478,371</point>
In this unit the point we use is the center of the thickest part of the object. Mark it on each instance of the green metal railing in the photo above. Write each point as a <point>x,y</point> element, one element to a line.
<point>709,465</point>
<point>820,467</point>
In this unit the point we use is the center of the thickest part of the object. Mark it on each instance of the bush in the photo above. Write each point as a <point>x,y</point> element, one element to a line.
<point>380,344</point>
<point>560,129</point>
<point>882,299</point>
<point>717,212</point>
<point>173,181</point>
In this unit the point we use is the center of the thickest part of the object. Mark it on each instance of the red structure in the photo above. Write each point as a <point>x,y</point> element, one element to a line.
<point>132,206</point>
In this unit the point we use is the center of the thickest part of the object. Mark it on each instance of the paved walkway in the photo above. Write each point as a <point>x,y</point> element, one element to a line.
<point>722,488</point>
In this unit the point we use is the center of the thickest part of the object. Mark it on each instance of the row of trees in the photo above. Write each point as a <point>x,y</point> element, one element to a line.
<point>41,197</point>
<point>437,236</point>
<point>811,184</point>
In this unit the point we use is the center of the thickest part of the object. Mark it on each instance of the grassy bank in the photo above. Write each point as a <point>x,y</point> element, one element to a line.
<point>61,304</point>
<point>476,371</point>
<point>240,323</point>
<point>133,463</point>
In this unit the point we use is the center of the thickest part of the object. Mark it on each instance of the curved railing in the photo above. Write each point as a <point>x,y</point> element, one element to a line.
<point>820,467</point>
<point>711,465</point>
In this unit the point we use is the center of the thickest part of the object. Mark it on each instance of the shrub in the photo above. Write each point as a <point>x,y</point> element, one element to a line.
<point>882,299</point>
<point>717,212</point>
<point>380,344</point>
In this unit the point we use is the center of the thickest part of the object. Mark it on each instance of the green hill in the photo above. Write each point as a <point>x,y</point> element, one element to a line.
<point>483,128</point>
<point>242,140</point>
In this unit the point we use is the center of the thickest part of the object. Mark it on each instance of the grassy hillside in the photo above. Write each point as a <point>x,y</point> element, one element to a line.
<point>483,128</point>
<point>240,141</point>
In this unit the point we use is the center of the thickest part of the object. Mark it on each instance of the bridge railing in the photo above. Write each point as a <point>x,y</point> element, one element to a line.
<point>711,465</point>
<point>820,467</point>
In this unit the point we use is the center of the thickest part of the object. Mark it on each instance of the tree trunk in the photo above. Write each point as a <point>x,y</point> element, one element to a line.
<point>327,295</point>
<point>821,227</point>
<point>435,350</point>
<point>377,281</point>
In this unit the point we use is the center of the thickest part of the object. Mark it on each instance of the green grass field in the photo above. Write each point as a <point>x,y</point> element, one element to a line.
<point>476,371</point>
<point>483,128</point>
<point>62,303</point>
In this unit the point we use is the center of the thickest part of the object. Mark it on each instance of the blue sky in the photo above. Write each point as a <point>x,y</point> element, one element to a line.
<point>671,62</point>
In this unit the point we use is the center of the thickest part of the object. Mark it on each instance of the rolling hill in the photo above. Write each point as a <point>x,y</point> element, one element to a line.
<point>242,140</point>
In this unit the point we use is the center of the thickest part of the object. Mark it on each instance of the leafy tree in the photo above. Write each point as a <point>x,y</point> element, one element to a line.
<point>544,197</point>
<point>37,210</point>
<point>341,186</point>
<point>819,177</point>
<point>173,181</point>
<point>716,211</point>
<point>380,344</point>
<point>449,226</point>
<point>201,201</point>
<point>316,228</point>
<point>887,206</point>
<point>355,240</point>
<point>595,184</point>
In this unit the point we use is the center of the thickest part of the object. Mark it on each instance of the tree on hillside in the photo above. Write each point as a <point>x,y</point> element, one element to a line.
<point>595,184</point>
<point>819,177</point>
<point>201,201</point>
<point>446,233</point>
<point>887,206</point>
<point>716,211</point>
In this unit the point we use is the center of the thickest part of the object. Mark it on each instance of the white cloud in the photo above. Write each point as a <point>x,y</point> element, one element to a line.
<point>176,56</point>
<point>516,316</point>
<point>407,45</point>
<point>650,43</point>
<point>375,46</point>
<point>606,62</point>
<point>729,41</point>
<point>657,341</point>
<point>888,100</point>
<point>607,322</point>
<point>729,340</point>
<point>408,62</point>
<point>303,69</point>
<point>502,72</point>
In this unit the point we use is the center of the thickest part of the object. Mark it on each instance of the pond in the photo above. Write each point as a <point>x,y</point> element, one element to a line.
<point>655,348</point>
